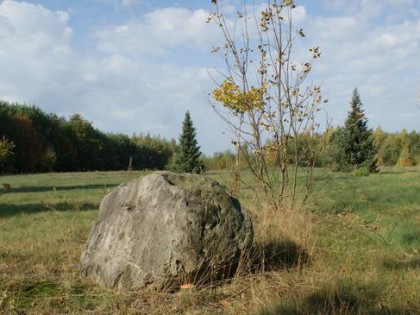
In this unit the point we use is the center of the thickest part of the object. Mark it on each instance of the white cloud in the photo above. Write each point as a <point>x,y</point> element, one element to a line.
<point>115,85</point>
<point>401,3</point>
<point>382,61</point>
<point>33,23</point>
<point>129,2</point>
<point>35,50</point>
<point>157,31</point>
<point>368,8</point>
<point>143,74</point>
<point>120,2</point>
<point>336,28</point>
<point>299,14</point>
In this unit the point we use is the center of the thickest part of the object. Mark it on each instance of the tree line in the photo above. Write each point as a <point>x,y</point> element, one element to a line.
<point>393,149</point>
<point>34,141</point>
<point>346,148</point>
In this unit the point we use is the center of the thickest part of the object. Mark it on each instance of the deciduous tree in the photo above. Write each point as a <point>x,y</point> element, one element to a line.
<point>6,149</point>
<point>264,96</point>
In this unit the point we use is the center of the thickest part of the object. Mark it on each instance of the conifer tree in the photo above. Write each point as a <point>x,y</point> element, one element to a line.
<point>356,147</point>
<point>188,159</point>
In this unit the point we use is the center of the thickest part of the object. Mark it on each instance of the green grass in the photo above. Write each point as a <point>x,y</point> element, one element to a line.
<point>366,257</point>
<point>388,202</point>
<point>372,227</point>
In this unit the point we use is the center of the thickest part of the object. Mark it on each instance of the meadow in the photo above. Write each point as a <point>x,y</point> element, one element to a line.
<point>354,249</point>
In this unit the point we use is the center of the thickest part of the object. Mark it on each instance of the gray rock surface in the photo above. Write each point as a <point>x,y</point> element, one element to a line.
<point>165,229</point>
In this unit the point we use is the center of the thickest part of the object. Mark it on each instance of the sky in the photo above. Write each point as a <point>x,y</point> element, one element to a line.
<point>136,66</point>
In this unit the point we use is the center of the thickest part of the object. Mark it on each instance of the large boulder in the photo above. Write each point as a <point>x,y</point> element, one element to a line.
<point>165,229</point>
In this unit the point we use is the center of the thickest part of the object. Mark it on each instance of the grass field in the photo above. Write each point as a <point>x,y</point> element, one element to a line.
<point>354,250</point>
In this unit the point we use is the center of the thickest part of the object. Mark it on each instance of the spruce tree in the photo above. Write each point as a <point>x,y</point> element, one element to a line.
<point>188,159</point>
<point>356,146</point>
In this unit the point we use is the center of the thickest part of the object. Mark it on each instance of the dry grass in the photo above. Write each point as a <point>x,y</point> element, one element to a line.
<point>356,252</point>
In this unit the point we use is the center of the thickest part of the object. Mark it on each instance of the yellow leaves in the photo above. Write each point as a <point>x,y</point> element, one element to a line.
<point>187,286</point>
<point>266,15</point>
<point>6,149</point>
<point>300,33</point>
<point>238,100</point>
<point>288,3</point>
<point>316,52</point>
<point>307,67</point>
<point>267,126</point>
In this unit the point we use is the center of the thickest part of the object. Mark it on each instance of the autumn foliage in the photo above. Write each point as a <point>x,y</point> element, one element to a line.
<point>45,142</point>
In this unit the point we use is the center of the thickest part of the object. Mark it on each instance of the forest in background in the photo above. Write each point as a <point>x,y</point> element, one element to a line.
<point>393,149</point>
<point>46,142</point>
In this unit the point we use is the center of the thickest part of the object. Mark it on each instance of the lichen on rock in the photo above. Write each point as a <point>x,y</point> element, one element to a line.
<point>165,229</point>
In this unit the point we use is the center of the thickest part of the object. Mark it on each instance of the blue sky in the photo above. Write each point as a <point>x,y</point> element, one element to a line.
<point>137,65</point>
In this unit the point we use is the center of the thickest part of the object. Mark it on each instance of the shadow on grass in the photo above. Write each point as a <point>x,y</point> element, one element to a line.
<point>341,298</point>
<point>411,237</point>
<point>8,210</point>
<point>270,256</point>
<point>398,171</point>
<point>25,294</point>
<point>279,254</point>
<point>413,263</point>
<point>23,297</point>
<point>31,189</point>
